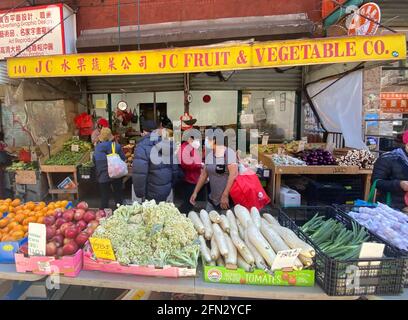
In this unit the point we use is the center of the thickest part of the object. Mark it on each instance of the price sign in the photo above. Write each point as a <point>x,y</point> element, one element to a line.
<point>102,248</point>
<point>36,239</point>
<point>265,140</point>
<point>285,259</point>
<point>370,250</point>
<point>75,148</point>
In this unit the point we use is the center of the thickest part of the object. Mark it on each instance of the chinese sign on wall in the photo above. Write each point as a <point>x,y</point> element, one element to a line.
<point>21,27</point>
<point>394,102</point>
<point>211,58</point>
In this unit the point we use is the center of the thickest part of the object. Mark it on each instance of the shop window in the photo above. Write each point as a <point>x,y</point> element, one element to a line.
<point>271,112</point>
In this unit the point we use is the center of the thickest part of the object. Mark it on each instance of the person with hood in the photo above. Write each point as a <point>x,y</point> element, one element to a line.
<point>102,123</point>
<point>107,185</point>
<point>391,173</point>
<point>155,170</point>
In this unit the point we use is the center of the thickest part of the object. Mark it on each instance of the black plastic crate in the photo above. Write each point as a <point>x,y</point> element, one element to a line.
<point>337,277</point>
<point>324,193</point>
<point>401,253</point>
<point>86,172</point>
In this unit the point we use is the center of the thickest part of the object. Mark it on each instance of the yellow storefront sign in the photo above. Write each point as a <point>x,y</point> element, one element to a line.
<point>213,58</point>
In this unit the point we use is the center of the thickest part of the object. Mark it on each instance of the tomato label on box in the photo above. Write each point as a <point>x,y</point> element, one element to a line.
<point>102,248</point>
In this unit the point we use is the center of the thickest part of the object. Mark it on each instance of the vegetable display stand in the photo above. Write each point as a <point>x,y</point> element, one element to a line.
<point>50,169</point>
<point>69,266</point>
<point>275,181</point>
<point>94,264</point>
<point>301,278</point>
<point>352,277</point>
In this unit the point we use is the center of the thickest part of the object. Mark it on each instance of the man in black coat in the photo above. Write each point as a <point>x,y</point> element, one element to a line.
<point>391,173</point>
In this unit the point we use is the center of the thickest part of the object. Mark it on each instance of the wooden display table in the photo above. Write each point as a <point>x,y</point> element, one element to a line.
<point>50,169</point>
<point>277,172</point>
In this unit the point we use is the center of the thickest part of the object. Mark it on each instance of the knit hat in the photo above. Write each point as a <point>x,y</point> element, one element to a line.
<point>405,137</point>
<point>103,123</point>
<point>105,135</point>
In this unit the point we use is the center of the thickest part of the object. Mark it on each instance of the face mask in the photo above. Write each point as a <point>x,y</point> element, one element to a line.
<point>196,144</point>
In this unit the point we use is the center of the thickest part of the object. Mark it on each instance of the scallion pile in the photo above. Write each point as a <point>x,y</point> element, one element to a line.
<point>334,239</point>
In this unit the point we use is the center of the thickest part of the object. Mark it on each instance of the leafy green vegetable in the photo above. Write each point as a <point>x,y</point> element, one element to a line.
<point>65,158</point>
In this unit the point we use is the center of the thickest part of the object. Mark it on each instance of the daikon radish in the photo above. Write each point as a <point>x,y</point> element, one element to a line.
<point>242,214</point>
<point>243,264</point>
<point>241,229</point>
<point>220,240</point>
<point>225,225</point>
<point>268,217</point>
<point>242,248</point>
<point>195,219</point>
<point>220,262</point>
<point>214,216</point>
<point>231,260</point>
<point>205,219</point>
<point>214,251</point>
<point>260,243</point>
<point>307,262</point>
<point>259,261</point>
<point>231,219</point>
<point>205,252</point>
<point>293,241</point>
<point>256,217</point>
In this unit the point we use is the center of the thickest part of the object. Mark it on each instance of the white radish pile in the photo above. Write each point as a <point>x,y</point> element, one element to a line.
<point>245,239</point>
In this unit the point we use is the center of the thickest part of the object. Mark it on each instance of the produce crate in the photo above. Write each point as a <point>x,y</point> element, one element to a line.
<point>9,248</point>
<point>26,177</point>
<point>86,173</point>
<point>402,253</point>
<point>302,278</point>
<point>69,266</point>
<point>94,264</point>
<point>357,277</point>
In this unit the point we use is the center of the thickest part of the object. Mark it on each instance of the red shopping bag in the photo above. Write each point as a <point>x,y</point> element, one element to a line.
<point>248,191</point>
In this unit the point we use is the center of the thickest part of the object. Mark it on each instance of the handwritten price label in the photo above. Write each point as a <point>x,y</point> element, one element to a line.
<point>285,259</point>
<point>75,148</point>
<point>102,248</point>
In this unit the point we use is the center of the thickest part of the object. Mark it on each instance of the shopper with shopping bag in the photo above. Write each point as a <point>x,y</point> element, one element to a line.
<point>110,168</point>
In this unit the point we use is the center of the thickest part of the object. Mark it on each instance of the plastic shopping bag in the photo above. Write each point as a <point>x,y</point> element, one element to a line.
<point>248,191</point>
<point>117,168</point>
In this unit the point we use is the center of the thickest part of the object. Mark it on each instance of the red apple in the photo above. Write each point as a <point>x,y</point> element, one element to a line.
<point>70,248</point>
<point>79,214</point>
<point>68,214</point>
<point>71,232</point>
<point>51,249</point>
<point>82,205</point>
<point>59,222</point>
<point>89,216</point>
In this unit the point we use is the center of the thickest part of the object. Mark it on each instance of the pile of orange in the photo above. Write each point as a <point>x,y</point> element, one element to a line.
<point>14,224</point>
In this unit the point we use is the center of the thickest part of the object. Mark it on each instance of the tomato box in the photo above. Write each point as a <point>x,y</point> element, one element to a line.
<point>301,278</point>
<point>69,266</point>
<point>90,262</point>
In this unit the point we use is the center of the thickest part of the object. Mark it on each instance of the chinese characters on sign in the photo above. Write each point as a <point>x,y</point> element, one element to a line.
<point>205,59</point>
<point>394,102</point>
<point>21,27</point>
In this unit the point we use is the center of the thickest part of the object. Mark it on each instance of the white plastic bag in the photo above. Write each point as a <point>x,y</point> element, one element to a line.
<point>117,168</point>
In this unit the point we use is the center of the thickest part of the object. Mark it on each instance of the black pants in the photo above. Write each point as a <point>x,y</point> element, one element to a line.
<point>106,190</point>
<point>183,192</point>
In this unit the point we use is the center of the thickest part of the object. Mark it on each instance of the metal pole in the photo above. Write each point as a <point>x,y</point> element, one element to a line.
<point>138,25</point>
<point>119,25</point>
<point>154,107</point>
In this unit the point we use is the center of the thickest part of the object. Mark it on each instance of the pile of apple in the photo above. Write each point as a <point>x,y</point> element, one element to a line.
<point>68,231</point>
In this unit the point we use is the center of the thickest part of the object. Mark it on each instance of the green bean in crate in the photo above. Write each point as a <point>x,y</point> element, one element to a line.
<point>344,276</point>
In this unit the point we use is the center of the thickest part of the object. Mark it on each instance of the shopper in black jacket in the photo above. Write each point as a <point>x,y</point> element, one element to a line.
<point>391,171</point>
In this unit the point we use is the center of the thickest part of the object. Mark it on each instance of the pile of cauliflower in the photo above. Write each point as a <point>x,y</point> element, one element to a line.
<point>151,234</point>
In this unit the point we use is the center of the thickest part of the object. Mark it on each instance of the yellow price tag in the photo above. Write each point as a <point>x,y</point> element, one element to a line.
<point>100,104</point>
<point>102,248</point>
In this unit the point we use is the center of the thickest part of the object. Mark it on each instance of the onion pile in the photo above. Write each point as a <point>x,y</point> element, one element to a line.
<point>68,231</point>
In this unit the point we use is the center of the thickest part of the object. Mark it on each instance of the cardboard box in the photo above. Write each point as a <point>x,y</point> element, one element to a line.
<point>302,278</point>
<point>8,250</point>
<point>289,197</point>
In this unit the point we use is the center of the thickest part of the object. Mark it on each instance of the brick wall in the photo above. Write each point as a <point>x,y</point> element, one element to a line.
<point>95,14</point>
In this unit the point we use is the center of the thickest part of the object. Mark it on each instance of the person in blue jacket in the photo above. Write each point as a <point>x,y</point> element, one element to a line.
<point>155,168</point>
<point>107,186</point>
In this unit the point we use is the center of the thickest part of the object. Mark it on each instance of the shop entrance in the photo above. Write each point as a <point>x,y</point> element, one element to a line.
<point>147,111</point>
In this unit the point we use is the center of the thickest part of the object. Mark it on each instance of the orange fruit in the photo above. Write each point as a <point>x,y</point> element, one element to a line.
<point>50,212</point>
<point>11,215</point>
<point>30,205</point>
<point>17,228</point>
<point>26,235</point>
<point>37,208</point>
<point>19,217</point>
<point>18,234</point>
<point>12,224</point>
<point>31,213</point>
<point>11,209</point>
<point>28,220</point>
<point>5,238</point>
<point>64,203</point>
<point>40,220</point>
<point>16,202</point>
<point>4,222</point>
<point>25,228</point>
<point>8,200</point>
<point>3,208</point>
<point>51,206</point>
